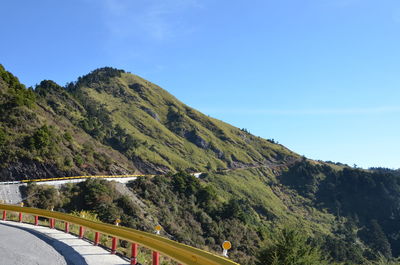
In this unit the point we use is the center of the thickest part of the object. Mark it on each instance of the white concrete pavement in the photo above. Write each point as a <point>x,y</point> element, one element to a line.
<point>11,193</point>
<point>22,244</point>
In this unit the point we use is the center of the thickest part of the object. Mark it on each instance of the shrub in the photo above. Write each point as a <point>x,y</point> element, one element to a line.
<point>3,137</point>
<point>291,247</point>
<point>40,139</point>
<point>42,196</point>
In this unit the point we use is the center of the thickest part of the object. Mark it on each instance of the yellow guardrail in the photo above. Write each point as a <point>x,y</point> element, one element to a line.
<point>181,253</point>
<point>83,177</point>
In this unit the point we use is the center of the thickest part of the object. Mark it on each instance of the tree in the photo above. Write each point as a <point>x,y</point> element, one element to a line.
<point>3,137</point>
<point>209,166</point>
<point>377,239</point>
<point>382,260</point>
<point>42,196</point>
<point>41,138</point>
<point>291,247</point>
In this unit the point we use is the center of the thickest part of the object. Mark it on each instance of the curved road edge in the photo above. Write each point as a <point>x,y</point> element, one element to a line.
<point>73,250</point>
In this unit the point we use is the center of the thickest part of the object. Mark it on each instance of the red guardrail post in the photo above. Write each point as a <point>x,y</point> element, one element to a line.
<point>134,253</point>
<point>156,255</point>
<point>96,238</point>
<point>4,215</point>
<point>36,220</point>
<point>114,239</point>
<point>20,214</point>
<point>52,223</point>
<point>156,258</point>
<point>66,227</point>
<point>114,245</point>
<point>81,232</point>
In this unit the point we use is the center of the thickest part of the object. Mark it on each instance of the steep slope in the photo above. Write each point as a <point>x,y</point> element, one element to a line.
<point>166,134</point>
<point>118,117</point>
<point>370,199</point>
<point>39,139</point>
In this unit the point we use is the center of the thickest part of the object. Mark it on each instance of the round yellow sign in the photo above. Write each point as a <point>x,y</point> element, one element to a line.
<point>158,228</point>
<point>226,245</point>
<point>22,204</point>
<point>118,221</point>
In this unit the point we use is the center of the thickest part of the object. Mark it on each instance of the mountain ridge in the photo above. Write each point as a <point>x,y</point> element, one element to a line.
<point>126,112</point>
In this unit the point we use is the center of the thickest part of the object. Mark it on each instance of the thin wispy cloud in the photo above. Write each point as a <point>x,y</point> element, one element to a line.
<point>155,19</point>
<point>305,112</point>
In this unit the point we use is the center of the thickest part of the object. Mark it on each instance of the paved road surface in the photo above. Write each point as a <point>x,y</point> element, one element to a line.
<point>26,248</point>
<point>25,244</point>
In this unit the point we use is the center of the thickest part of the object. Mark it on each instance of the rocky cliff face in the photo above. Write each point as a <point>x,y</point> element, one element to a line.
<point>30,169</point>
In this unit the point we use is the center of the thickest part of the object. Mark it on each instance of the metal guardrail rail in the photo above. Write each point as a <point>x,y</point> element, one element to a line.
<point>184,254</point>
<point>72,178</point>
<point>83,177</point>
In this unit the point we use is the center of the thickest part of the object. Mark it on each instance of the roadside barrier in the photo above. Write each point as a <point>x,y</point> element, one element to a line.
<point>79,177</point>
<point>83,177</point>
<point>183,254</point>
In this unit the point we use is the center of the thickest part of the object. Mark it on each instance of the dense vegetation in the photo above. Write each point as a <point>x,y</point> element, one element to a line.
<point>291,246</point>
<point>253,192</point>
<point>368,200</point>
<point>200,213</point>
<point>39,136</point>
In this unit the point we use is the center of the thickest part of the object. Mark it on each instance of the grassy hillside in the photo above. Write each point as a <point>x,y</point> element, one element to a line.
<point>39,138</point>
<point>165,132</point>
<point>122,117</point>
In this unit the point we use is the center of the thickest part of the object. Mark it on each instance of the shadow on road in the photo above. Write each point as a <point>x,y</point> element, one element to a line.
<point>70,255</point>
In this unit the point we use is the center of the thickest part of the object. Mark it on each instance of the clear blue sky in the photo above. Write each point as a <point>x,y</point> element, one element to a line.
<point>320,76</point>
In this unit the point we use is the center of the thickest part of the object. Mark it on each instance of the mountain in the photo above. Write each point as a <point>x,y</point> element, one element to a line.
<point>113,122</point>
<point>128,123</point>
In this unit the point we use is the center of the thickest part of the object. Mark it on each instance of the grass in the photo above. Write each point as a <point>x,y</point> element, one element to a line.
<point>131,102</point>
<point>169,148</point>
<point>259,188</point>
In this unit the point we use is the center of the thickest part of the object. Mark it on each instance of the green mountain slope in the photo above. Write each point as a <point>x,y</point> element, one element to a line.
<point>113,122</point>
<point>39,138</point>
<point>125,121</point>
<point>165,132</point>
